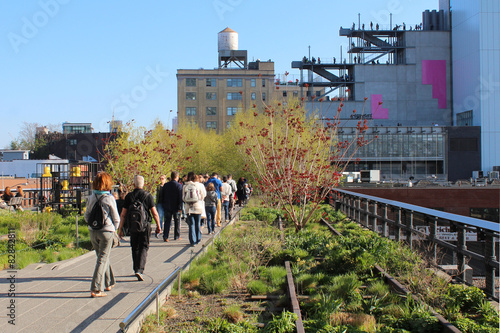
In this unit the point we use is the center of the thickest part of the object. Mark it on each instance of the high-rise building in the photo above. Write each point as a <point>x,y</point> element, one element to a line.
<point>475,50</point>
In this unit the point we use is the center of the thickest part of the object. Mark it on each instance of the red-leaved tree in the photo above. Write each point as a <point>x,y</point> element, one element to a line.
<point>296,160</point>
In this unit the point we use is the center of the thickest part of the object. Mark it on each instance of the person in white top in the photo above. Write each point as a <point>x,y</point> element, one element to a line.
<point>225,193</point>
<point>193,193</point>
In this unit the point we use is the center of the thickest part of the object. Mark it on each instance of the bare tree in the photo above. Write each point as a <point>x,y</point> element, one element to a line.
<point>27,136</point>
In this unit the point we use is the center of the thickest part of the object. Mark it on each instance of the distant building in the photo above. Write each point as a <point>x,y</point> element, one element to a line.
<point>415,88</point>
<point>11,155</point>
<point>74,128</point>
<point>476,72</point>
<point>211,97</point>
<point>115,126</point>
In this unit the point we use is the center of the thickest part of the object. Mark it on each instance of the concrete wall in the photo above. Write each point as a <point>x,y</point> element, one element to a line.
<point>476,70</point>
<point>409,100</point>
<point>456,200</point>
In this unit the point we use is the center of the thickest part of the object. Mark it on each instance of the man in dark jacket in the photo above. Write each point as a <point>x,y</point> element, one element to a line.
<point>172,205</point>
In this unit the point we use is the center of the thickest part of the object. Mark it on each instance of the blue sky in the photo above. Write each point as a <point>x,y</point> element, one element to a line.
<point>69,60</point>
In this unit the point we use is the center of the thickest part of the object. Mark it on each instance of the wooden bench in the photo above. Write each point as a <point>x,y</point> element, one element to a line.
<point>15,202</point>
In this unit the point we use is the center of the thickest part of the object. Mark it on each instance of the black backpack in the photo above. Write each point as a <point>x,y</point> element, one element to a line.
<point>97,214</point>
<point>137,215</point>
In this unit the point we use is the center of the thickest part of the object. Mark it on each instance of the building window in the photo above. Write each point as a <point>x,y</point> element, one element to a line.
<point>72,142</point>
<point>263,82</point>
<point>236,96</point>
<point>252,82</point>
<point>234,82</point>
<point>464,118</point>
<point>295,93</point>
<point>211,96</point>
<point>263,96</point>
<point>284,94</point>
<point>253,96</point>
<point>228,124</point>
<point>211,111</point>
<point>191,111</point>
<point>191,96</point>
<point>190,82</point>
<point>211,83</point>
<point>231,111</point>
<point>211,124</point>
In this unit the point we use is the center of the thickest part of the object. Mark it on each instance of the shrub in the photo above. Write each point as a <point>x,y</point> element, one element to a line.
<point>257,287</point>
<point>214,282</point>
<point>233,313</point>
<point>283,323</point>
<point>467,298</point>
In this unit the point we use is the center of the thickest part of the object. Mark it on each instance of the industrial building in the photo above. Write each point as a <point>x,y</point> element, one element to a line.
<point>404,81</point>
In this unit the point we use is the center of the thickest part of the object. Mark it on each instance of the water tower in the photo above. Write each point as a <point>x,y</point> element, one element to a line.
<point>228,50</point>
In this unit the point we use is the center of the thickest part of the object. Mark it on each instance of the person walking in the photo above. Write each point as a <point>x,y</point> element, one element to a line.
<point>225,193</point>
<point>159,200</point>
<point>217,184</point>
<point>210,207</point>
<point>241,191</point>
<point>193,193</point>
<point>139,240</point>
<point>102,239</point>
<point>172,206</point>
<point>231,183</point>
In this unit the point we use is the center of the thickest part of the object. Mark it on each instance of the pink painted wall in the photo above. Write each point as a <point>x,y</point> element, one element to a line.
<point>434,73</point>
<point>378,112</point>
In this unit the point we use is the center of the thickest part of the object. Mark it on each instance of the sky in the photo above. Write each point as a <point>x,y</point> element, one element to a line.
<point>82,61</point>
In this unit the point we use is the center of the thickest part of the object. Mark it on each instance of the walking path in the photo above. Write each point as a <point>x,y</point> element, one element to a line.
<point>56,297</point>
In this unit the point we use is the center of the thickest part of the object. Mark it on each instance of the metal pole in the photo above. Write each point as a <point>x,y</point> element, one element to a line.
<point>179,284</point>
<point>390,15</point>
<point>77,238</point>
<point>359,21</point>
<point>157,308</point>
<point>489,256</point>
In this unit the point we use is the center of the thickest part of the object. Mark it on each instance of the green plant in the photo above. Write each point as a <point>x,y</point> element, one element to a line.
<point>283,323</point>
<point>214,281</point>
<point>233,313</point>
<point>221,325</point>
<point>468,298</point>
<point>257,287</point>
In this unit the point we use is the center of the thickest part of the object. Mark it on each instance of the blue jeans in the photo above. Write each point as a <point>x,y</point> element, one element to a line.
<point>194,228</point>
<point>210,210</point>
<point>225,207</point>
<point>159,208</point>
<point>103,274</point>
<point>168,221</point>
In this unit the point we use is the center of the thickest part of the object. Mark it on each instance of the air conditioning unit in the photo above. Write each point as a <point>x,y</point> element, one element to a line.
<point>477,174</point>
<point>370,176</point>
<point>494,175</point>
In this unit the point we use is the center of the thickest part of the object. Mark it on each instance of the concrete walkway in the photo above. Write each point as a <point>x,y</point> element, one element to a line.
<point>56,297</point>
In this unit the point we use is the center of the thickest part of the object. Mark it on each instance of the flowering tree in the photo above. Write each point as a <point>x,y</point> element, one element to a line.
<point>295,160</point>
<point>149,153</point>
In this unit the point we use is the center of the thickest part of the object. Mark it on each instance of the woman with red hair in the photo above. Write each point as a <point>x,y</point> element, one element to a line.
<point>102,238</point>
